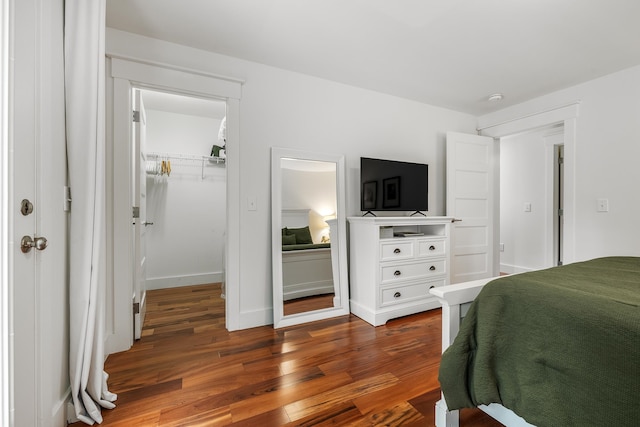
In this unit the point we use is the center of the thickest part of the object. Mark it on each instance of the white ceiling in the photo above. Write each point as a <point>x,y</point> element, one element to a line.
<point>181,104</point>
<point>449,53</point>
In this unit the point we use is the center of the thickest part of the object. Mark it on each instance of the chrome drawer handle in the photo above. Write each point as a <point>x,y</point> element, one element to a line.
<point>397,295</point>
<point>432,268</point>
<point>432,248</point>
<point>397,273</point>
<point>397,251</point>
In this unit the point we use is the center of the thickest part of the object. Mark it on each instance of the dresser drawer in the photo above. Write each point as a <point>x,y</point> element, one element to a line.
<point>405,293</point>
<point>396,250</point>
<point>403,271</point>
<point>430,248</point>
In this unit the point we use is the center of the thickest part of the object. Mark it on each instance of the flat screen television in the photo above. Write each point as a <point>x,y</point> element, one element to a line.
<point>389,185</point>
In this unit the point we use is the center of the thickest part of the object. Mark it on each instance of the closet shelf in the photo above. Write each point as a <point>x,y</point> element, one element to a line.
<point>173,156</point>
<point>154,157</point>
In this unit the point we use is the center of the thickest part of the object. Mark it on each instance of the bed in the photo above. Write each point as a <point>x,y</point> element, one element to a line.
<point>555,347</point>
<point>307,267</point>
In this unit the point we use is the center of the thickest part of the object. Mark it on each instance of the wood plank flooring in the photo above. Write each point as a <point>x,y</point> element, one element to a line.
<point>187,370</point>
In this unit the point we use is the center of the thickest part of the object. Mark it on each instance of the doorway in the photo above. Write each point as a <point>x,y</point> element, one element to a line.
<point>531,199</point>
<point>186,188</point>
<point>125,74</point>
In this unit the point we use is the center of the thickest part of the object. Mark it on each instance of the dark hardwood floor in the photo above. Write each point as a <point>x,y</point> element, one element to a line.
<point>187,370</point>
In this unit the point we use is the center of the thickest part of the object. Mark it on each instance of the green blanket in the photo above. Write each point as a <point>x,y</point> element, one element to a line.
<point>559,347</point>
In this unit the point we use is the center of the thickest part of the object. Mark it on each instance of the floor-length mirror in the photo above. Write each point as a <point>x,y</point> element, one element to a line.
<point>308,236</point>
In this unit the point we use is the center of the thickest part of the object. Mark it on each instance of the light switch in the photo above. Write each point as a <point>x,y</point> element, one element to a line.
<point>251,203</point>
<point>603,205</point>
<point>527,206</point>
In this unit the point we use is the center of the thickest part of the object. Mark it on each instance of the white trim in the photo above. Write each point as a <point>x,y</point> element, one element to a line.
<point>183,280</point>
<point>6,305</point>
<point>566,115</point>
<point>174,67</point>
<point>169,77</point>
<point>530,121</point>
<point>127,74</point>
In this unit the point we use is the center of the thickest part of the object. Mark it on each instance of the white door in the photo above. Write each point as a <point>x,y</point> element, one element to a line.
<point>34,369</point>
<point>141,222</point>
<point>471,198</point>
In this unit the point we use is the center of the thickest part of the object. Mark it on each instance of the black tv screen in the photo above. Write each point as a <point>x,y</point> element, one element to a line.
<point>389,185</point>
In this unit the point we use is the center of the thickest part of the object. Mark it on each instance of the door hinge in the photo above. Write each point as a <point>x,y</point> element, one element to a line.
<point>136,116</point>
<point>560,212</point>
<point>136,308</point>
<point>136,212</point>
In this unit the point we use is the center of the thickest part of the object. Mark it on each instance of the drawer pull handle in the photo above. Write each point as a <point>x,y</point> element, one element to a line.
<point>432,248</point>
<point>432,268</point>
<point>397,295</point>
<point>397,273</point>
<point>397,251</point>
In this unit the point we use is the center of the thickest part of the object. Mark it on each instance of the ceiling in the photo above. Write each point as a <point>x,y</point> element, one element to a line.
<point>448,53</point>
<point>191,106</point>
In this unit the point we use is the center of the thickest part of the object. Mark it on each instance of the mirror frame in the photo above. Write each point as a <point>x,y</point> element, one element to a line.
<point>341,288</point>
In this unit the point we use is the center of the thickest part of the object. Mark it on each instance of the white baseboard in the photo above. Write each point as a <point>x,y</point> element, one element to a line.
<point>186,280</point>
<point>255,318</point>
<point>513,269</point>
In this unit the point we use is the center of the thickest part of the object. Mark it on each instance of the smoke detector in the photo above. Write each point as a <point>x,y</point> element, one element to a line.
<point>495,97</point>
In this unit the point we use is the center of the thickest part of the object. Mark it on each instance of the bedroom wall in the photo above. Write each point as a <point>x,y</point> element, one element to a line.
<point>185,245</point>
<point>607,150</point>
<point>285,109</point>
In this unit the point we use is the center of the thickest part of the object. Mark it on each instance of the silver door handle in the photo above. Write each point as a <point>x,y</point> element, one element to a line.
<point>145,223</point>
<point>27,243</point>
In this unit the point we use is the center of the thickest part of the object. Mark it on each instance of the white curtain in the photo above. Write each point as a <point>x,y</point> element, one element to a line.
<point>84,42</point>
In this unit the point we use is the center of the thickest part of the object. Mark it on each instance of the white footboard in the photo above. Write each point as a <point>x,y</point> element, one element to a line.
<point>455,300</point>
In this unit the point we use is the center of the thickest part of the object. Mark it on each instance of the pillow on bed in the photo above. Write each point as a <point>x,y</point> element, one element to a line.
<point>303,235</point>
<point>289,239</point>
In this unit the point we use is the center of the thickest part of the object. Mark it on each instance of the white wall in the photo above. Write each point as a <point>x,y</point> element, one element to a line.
<point>607,150</point>
<point>185,245</point>
<point>290,110</point>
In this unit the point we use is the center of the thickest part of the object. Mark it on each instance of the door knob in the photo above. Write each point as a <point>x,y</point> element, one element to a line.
<point>27,243</point>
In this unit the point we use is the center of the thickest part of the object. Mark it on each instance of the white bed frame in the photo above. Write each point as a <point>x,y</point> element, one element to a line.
<point>455,300</point>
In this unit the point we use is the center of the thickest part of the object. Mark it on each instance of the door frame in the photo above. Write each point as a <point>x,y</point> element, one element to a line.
<point>6,305</point>
<point>567,115</point>
<point>125,74</point>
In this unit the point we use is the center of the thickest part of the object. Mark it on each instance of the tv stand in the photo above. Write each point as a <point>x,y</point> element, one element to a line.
<point>368,213</point>
<point>418,213</point>
<point>394,261</point>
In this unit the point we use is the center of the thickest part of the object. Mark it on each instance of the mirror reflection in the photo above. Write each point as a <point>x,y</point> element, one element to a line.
<point>307,246</point>
<point>308,202</point>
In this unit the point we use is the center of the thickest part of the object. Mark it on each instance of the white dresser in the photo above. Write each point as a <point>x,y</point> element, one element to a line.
<point>394,261</point>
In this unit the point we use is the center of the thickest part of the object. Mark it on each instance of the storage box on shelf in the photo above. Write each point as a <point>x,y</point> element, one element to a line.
<point>394,261</point>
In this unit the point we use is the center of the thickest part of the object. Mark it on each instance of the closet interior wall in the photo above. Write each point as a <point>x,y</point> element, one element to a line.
<point>187,204</point>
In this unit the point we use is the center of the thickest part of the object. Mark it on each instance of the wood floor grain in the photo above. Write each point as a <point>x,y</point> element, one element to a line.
<point>187,370</point>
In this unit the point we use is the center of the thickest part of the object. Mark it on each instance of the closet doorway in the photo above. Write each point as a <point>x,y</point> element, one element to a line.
<point>186,186</point>
<point>531,199</point>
